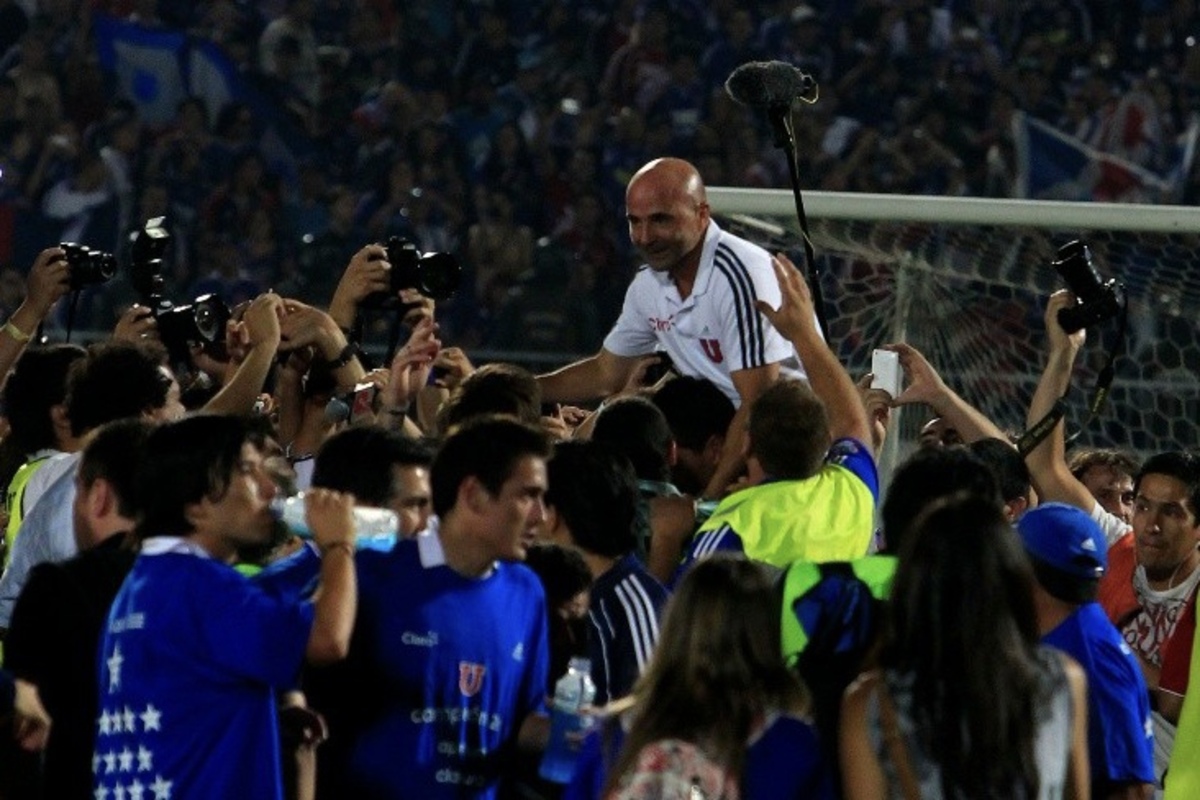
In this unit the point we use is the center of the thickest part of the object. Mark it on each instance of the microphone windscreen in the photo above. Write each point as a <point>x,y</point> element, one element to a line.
<point>767,84</point>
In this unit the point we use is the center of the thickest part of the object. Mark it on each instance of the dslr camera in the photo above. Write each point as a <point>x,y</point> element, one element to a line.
<point>435,275</point>
<point>202,321</point>
<point>1097,300</point>
<point>88,267</point>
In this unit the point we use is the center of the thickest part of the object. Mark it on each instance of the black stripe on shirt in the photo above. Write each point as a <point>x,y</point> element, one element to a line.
<point>751,334</point>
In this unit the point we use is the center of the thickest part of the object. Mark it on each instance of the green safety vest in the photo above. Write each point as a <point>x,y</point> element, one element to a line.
<point>1183,775</point>
<point>828,517</point>
<point>14,500</point>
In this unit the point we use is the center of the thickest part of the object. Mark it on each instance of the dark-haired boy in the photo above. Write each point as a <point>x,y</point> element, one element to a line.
<point>447,670</point>
<point>591,505</point>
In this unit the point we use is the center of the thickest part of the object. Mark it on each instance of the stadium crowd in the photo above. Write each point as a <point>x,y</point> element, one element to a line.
<point>694,504</point>
<point>505,132</point>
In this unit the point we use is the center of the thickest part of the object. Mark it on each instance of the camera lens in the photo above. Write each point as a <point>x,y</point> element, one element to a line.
<point>210,315</point>
<point>88,266</point>
<point>438,275</point>
<point>1075,266</point>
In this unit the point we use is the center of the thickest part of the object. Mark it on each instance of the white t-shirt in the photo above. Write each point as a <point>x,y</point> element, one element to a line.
<point>717,329</point>
<point>1114,527</point>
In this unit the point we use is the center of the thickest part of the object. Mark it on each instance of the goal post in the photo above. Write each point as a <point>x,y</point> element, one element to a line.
<point>965,280</point>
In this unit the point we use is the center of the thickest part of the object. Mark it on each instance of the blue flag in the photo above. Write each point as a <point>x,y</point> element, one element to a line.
<point>1051,165</point>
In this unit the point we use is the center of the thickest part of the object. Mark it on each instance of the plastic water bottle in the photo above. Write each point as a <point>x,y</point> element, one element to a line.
<point>374,528</point>
<point>573,692</point>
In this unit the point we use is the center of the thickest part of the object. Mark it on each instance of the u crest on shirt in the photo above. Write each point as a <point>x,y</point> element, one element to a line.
<point>470,677</point>
<point>712,349</point>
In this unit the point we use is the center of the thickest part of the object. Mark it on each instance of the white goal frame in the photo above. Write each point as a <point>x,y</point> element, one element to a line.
<point>773,212</point>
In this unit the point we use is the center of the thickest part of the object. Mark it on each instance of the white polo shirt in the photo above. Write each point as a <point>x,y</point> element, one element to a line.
<point>717,329</point>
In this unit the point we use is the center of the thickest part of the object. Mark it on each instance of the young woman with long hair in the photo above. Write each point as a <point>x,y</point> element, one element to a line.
<point>715,708</point>
<point>966,704</point>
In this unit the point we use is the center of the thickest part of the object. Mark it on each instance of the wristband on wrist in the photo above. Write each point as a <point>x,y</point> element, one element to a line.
<point>329,548</point>
<point>343,358</point>
<point>16,333</point>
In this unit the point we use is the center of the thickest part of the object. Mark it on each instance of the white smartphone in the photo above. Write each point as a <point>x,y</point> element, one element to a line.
<point>885,367</point>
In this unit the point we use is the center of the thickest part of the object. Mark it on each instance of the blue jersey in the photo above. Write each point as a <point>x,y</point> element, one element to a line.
<point>190,659</point>
<point>623,615</point>
<point>1120,736</point>
<point>443,669</point>
<point>784,761</point>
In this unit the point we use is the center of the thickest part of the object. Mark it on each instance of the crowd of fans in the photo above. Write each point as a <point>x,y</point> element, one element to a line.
<point>762,616</point>
<point>504,133</point>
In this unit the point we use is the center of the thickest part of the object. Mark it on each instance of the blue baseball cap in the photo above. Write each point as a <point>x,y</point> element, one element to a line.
<point>1065,539</point>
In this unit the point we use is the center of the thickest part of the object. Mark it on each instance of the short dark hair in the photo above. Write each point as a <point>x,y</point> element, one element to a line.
<point>1183,466</point>
<point>562,571</point>
<point>185,462</point>
<point>1081,461</point>
<point>116,379</point>
<point>359,460</point>
<point>789,430</point>
<point>636,428</point>
<point>929,474</point>
<point>695,409</point>
<point>1006,464</point>
<point>487,448</point>
<point>494,389</point>
<point>113,454</point>
<point>37,384</point>
<point>594,489</point>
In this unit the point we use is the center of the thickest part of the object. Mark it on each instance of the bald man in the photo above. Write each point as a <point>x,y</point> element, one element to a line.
<point>694,299</point>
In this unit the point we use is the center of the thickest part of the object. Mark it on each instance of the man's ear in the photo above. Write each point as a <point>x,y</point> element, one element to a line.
<point>196,514</point>
<point>472,495</point>
<point>1014,508</point>
<point>101,500</point>
<point>711,453</point>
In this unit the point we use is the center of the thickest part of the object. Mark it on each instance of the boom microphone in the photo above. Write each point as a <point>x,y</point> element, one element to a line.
<point>768,84</point>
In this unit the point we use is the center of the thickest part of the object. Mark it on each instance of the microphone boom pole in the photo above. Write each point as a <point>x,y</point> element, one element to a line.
<point>775,86</point>
<point>781,121</point>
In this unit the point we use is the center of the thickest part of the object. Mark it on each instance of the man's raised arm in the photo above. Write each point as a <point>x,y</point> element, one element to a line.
<point>830,382</point>
<point>1047,461</point>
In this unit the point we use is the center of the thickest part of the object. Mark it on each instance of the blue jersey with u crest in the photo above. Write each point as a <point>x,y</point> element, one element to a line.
<point>443,669</point>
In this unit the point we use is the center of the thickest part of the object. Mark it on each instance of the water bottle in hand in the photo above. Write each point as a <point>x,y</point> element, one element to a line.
<point>572,694</point>
<point>374,528</point>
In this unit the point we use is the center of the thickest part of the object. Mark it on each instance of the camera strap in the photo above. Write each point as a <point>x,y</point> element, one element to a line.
<point>1042,428</point>
<point>71,313</point>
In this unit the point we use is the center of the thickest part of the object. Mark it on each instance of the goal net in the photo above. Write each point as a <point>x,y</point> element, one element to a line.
<point>965,281</point>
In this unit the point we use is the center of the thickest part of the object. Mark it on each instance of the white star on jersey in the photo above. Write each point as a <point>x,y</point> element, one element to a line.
<point>150,719</point>
<point>130,720</point>
<point>105,723</point>
<point>161,788</point>
<point>114,669</point>
<point>125,760</point>
<point>145,759</point>
<point>135,790</point>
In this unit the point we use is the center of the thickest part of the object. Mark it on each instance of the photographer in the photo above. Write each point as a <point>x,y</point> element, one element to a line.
<point>49,279</point>
<point>1153,564</point>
